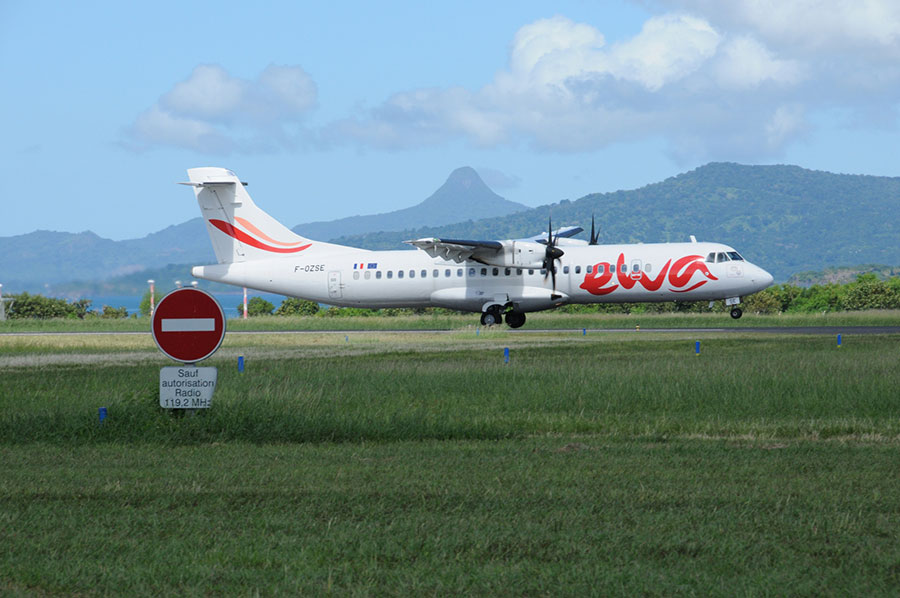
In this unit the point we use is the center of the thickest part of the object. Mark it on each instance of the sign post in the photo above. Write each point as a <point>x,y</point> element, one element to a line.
<point>188,325</point>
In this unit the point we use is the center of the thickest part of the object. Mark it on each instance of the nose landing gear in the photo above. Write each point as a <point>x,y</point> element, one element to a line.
<point>736,312</point>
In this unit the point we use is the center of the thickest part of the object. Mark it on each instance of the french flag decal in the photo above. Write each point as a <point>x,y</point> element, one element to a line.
<point>362,266</point>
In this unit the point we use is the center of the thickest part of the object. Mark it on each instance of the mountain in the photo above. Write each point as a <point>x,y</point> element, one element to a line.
<point>43,258</point>
<point>785,218</point>
<point>464,196</point>
<point>67,262</point>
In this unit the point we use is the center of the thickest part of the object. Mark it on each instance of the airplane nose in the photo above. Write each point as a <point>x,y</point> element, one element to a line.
<point>765,278</point>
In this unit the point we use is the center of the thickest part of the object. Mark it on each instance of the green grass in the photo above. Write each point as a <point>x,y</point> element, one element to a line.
<point>540,320</point>
<point>606,464</point>
<point>509,518</point>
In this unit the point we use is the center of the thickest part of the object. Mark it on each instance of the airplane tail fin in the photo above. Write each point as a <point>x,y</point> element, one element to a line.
<point>239,230</point>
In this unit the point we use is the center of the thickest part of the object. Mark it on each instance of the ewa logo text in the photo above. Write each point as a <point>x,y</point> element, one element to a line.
<point>679,274</point>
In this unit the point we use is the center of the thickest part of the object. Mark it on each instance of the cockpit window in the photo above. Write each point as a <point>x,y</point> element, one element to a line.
<point>721,257</point>
<point>735,256</point>
<point>711,258</point>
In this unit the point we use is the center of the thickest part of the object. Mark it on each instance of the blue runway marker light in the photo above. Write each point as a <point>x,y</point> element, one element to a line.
<point>241,363</point>
<point>477,330</point>
<point>346,338</point>
<point>839,340</point>
<point>697,348</point>
<point>505,354</point>
<point>584,332</point>
<point>102,414</point>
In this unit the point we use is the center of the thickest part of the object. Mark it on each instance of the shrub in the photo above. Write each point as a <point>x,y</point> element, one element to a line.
<point>114,312</point>
<point>26,305</point>
<point>256,306</point>
<point>297,307</point>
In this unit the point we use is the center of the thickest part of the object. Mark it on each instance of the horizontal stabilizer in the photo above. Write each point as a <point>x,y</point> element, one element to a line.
<point>210,183</point>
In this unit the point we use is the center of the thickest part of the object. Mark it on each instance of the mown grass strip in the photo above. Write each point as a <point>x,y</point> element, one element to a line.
<point>506,518</point>
<point>449,388</point>
<point>551,320</point>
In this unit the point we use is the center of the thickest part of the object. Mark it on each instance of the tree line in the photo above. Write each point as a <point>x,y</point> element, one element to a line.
<point>866,292</point>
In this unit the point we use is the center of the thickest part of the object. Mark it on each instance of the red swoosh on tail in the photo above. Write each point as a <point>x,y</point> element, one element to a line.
<point>243,237</point>
<point>250,227</point>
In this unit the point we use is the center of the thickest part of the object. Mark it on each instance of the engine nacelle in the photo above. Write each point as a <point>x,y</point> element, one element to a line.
<point>518,254</point>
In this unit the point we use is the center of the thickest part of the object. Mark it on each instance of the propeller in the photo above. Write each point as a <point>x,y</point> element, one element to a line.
<point>594,237</point>
<point>551,254</point>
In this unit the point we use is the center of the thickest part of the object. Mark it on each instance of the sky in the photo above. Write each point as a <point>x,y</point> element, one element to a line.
<point>335,109</point>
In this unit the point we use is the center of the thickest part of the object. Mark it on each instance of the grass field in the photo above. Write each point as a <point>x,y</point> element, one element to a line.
<point>379,463</point>
<point>554,320</point>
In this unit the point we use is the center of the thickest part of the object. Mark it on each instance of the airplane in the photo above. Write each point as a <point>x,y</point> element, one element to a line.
<point>500,279</point>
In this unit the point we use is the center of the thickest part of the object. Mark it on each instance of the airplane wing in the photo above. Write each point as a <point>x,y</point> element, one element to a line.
<point>488,252</point>
<point>562,232</point>
<point>458,250</point>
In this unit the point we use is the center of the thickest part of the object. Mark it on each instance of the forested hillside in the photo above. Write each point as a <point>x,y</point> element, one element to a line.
<point>784,218</point>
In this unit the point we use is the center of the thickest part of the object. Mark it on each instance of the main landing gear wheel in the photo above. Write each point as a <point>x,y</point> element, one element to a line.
<point>492,316</point>
<point>737,312</point>
<point>515,319</point>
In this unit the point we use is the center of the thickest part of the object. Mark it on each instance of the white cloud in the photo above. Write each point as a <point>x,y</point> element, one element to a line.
<point>209,93</point>
<point>667,49</point>
<point>565,89</point>
<point>808,25</point>
<point>158,127</point>
<point>744,63</point>
<point>214,112</point>
<point>785,123</point>
<point>716,80</point>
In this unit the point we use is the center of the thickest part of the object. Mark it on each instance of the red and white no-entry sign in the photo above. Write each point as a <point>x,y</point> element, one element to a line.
<point>188,325</point>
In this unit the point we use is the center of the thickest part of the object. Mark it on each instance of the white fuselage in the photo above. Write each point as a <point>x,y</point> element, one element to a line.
<point>345,276</point>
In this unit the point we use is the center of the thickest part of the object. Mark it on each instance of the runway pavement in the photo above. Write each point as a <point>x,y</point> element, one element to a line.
<point>815,330</point>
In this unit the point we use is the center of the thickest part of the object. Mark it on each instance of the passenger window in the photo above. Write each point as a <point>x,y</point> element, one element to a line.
<point>399,273</point>
<point>424,273</point>
<point>518,271</point>
<point>368,274</point>
<point>495,271</point>
<point>590,269</point>
<point>624,269</point>
<point>459,272</point>
<point>484,271</point>
<point>447,273</point>
<point>647,268</point>
<point>711,258</point>
<point>721,257</point>
<point>471,271</point>
<point>434,273</point>
<point>377,274</point>
<point>530,272</point>
<point>390,273</point>
<point>412,273</point>
<point>635,267</point>
<point>543,271</point>
<point>506,271</point>
<point>565,269</point>
<point>356,275</point>
<point>577,269</point>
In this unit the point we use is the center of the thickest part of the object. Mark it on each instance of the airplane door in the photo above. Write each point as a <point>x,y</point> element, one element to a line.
<point>334,284</point>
